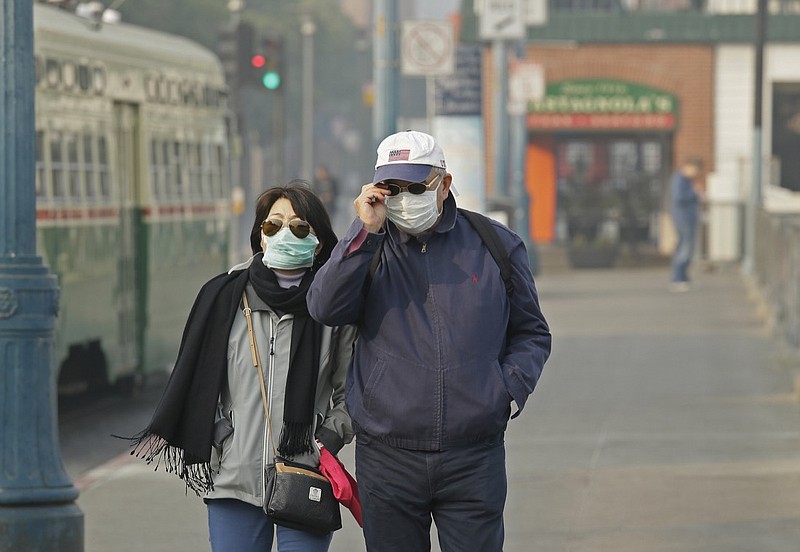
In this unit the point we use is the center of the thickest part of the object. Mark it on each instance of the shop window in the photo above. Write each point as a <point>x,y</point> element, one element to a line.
<point>786,134</point>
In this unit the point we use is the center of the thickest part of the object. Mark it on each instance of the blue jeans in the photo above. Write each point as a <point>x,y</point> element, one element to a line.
<point>463,490</point>
<point>236,526</point>
<point>682,256</point>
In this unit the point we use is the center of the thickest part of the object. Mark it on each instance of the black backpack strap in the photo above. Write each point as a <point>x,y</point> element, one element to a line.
<point>373,264</point>
<point>489,236</point>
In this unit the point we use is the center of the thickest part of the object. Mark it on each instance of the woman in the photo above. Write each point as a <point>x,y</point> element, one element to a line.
<point>210,427</point>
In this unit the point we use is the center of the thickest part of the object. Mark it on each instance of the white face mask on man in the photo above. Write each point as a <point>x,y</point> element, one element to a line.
<point>413,213</point>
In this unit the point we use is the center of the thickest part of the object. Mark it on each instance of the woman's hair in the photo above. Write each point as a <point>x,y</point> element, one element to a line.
<point>307,206</point>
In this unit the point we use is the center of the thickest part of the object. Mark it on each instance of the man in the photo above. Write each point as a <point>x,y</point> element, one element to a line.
<point>443,351</point>
<point>685,197</point>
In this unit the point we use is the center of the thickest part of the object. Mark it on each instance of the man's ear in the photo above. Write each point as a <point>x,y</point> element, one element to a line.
<point>446,182</point>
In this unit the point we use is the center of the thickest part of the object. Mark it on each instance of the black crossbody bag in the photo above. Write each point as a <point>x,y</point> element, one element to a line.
<point>295,495</point>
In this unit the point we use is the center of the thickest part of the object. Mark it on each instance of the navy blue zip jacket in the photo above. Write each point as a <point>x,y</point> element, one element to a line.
<point>442,349</point>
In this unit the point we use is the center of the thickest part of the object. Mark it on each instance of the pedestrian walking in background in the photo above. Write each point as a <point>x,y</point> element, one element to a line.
<point>685,196</point>
<point>210,426</point>
<point>327,189</point>
<point>443,352</point>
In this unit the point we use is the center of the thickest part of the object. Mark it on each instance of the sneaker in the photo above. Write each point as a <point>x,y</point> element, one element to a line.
<point>679,287</point>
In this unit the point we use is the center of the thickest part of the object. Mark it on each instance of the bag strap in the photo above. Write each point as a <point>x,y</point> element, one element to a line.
<point>488,236</point>
<point>257,363</point>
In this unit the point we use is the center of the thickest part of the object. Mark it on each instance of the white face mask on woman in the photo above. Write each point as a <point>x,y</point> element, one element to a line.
<point>412,213</point>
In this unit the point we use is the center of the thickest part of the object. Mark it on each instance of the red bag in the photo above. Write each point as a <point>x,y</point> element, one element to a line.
<point>345,488</point>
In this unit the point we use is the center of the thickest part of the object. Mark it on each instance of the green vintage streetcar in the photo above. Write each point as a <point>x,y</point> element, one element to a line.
<point>132,190</point>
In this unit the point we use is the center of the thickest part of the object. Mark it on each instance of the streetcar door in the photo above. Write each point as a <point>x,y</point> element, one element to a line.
<point>130,275</point>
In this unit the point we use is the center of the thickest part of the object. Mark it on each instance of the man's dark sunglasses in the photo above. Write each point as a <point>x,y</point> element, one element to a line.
<point>299,228</point>
<point>415,188</point>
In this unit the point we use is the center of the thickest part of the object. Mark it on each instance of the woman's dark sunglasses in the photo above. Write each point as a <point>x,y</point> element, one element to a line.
<point>299,228</point>
<point>415,188</point>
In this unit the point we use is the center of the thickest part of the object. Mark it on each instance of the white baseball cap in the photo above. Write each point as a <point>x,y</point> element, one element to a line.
<point>409,156</point>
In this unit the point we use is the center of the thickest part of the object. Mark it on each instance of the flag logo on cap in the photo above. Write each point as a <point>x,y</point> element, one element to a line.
<point>399,155</point>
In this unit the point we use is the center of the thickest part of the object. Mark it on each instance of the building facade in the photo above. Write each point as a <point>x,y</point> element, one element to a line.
<point>632,90</point>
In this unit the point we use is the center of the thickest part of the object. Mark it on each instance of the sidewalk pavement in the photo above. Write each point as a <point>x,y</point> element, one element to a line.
<point>663,422</point>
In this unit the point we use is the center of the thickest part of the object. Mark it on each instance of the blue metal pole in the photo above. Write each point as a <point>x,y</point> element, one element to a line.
<point>37,499</point>
<point>519,192</point>
<point>500,119</point>
<point>754,203</point>
<point>385,70</point>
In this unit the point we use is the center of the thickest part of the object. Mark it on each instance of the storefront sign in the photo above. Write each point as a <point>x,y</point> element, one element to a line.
<point>595,104</point>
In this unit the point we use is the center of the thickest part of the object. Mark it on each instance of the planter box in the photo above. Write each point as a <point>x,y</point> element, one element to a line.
<point>592,255</point>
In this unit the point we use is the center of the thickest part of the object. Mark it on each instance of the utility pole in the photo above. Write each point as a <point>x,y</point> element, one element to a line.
<point>37,498</point>
<point>385,70</point>
<point>308,29</point>
<point>754,203</point>
<point>500,121</point>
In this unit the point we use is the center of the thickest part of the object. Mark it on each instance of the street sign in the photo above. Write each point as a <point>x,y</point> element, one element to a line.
<point>460,93</point>
<point>525,84</point>
<point>428,48</point>
<point>536,13</point>
<point>502,19</point>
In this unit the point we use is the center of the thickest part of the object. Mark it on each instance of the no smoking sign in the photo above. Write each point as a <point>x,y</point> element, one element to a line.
<point>428,48</point>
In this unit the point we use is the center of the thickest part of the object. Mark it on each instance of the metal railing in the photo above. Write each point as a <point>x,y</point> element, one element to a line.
<point>721,7</point>
<point>777,271</point>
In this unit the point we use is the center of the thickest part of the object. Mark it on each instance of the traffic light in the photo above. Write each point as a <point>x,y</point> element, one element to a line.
<point>267,63</point>
<point>245,46</point>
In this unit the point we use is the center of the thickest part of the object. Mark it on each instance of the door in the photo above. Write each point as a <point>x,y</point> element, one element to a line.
<point>611,185</point>
<point>130,262</point>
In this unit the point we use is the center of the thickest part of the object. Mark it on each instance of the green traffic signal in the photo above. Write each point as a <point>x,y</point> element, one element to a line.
<point>271,80</point>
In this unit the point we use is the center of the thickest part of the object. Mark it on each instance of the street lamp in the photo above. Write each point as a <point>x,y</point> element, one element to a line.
<point>37,499</point>
<point>308,29</point>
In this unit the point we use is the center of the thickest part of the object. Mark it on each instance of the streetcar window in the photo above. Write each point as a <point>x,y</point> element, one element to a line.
<point>215,169</point>
<point>158,170</point>
<point>69,75</point>
<point>73,167</point>
<point>84,78</point>
<point>53,72</point>
<point>195,171</point>
<point>187,93</point>
<point>102,168</point>
<point>98,80</point>
<point>89,167</point>
<point>169,174</point>
<point>40,165</point>
<point>57,167</point>
<point>39,65</point>
<point>178,158</point>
